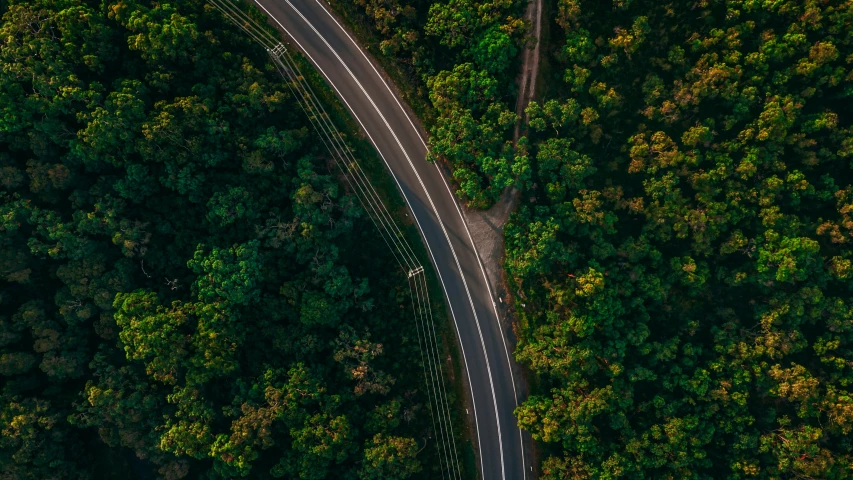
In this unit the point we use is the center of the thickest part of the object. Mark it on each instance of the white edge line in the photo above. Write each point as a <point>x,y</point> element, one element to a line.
<point>432,257</point>
<point>438,217</point>
<point>394,96</point>
<point>398,185</point>
<point>435,211</point>
<point>458,209</point>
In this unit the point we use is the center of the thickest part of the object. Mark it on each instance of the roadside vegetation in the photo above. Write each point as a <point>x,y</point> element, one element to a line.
<point>186,289</point>
<point>457,59</point>
<point>681,255</point>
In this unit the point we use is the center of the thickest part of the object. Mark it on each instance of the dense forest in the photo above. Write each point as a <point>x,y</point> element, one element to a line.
<point>180,282</point>
<point>685,250</point>
<point>186,290</point>
<point>681,254</point>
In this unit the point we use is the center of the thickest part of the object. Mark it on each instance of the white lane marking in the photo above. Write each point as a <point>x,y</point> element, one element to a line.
<point>374,70</point>
<point>453,197</point>
<point>430,353</point>
<point>403,251</point>
<point>432,256</point>
<point>438,217</point>
<point>497,320</point>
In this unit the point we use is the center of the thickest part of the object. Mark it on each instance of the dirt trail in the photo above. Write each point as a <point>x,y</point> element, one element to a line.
<point>487,226</point>
<point>529,61</point>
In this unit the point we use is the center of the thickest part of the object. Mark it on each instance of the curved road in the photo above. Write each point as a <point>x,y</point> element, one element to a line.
<point>484,350</point>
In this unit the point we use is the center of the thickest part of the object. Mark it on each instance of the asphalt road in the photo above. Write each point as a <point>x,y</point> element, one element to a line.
<point>484,350</point>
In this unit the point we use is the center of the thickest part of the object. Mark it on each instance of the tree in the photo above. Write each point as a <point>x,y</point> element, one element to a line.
<point>231,274</point>
<point>681,254</point>
<point>390,458</point>
<point>180,267</point>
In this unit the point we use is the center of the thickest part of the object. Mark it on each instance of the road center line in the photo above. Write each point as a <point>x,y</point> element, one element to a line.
<point>456,203</point>
<point>444,287</point>
<point>438,217</point>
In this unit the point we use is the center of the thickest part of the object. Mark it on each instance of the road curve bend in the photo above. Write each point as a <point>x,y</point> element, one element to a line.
<point>317,33</point>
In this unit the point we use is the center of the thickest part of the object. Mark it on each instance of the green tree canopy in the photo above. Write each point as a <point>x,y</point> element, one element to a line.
<point>682,264</point>
<point>186,289</point>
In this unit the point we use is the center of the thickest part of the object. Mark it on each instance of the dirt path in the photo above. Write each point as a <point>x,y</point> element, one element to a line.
<point>530,61</point>
<point>487,226</point>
